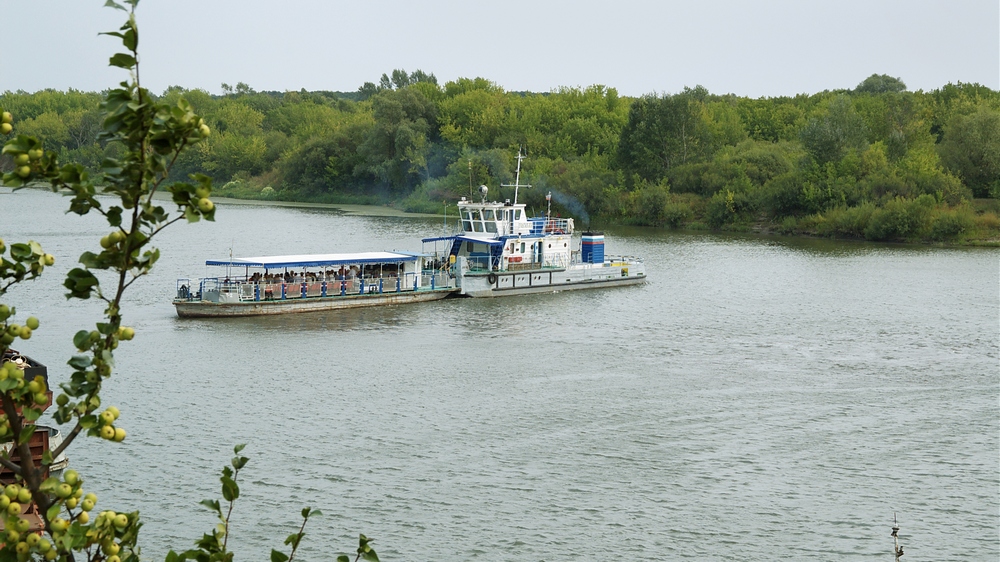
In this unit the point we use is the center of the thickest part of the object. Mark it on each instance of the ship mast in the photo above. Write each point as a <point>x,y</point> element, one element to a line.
<point>517,177</point>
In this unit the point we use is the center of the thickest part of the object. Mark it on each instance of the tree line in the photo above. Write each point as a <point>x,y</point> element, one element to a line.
<point>877,161</point>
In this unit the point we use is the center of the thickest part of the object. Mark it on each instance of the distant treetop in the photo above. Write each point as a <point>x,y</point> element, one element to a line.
<point>880,84</point>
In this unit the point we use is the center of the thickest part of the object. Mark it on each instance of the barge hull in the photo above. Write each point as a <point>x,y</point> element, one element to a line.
<point>494,291</point>
<point>204,309</point>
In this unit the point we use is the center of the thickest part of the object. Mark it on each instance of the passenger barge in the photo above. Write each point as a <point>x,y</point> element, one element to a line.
<point>257,286</point>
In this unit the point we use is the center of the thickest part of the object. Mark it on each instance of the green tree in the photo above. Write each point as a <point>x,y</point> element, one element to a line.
<point>835,131</point>
<point>971,149</point>
<point>880,84</point>
<point>672,130</point>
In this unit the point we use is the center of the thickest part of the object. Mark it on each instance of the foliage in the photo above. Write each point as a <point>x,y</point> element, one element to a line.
<point>971,149</point>
<point>408,141</point>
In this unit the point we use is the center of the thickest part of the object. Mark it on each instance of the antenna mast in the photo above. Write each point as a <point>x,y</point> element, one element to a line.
<point>517,176</point>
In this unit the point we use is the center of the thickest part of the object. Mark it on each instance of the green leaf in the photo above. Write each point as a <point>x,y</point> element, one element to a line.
<point>238,448</point>
<point>82,341</point>
<point>230,491</point>
<point>278,556</point>
<point>122,60</point>
<point>26,433</point>
<point>80,362</point>
<point>53,511</point>
<point>7,385</point>
<point>213,505</point>
<point>31,414</point>
<point>89,421</point>
<point>342,558</point>
<point>115,5</point>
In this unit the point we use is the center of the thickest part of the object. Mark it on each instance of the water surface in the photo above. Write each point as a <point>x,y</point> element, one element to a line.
<point>758,399</point>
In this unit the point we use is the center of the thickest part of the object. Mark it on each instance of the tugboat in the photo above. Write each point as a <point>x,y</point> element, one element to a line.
<point>501,251</point>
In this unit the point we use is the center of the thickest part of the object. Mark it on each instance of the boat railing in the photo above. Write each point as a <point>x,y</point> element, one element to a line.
<point>224,290</point>
<point>543,225</point>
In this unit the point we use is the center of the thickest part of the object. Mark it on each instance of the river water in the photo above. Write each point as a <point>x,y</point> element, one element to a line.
<point>758,399</point>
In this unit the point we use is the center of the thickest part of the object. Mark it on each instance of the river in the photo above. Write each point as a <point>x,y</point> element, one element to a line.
<point>758,399</point>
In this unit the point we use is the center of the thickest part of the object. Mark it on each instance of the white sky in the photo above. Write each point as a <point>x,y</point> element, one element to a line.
<point>749,48</point>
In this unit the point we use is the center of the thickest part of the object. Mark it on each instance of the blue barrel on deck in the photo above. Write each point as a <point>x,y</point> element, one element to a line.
<point>593,247</point>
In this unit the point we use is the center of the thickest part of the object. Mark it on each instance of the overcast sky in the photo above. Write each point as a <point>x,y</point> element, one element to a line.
<point>749,48</point>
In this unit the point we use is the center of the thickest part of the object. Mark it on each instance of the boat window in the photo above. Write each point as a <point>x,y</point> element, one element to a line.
<point>522,247</point>
<point>488,214</point>
<point>517,215</point>
<point>467,225</point>
<point>478,226</point>
<point>468,247</point>
<point>491,226</point>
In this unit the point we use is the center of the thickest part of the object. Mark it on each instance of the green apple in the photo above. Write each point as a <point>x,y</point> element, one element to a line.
<point>205,205</point>
<point>119,434</point>
<point>44,545</point>
<point>11,490</point>
<point>71,477</point>
<point>22,159</point>
<point>35,153</point>
<point>63,491</point>
<point>25,333</point>
<point>107,417</point>
<point>33,539</point>
<point>128,333</point>
<point>202,192</point>
<point>6,117</point>
<point>22,547</point>
<point>87,505</point>
<point>204,130</point>
<point>5,129</point>
<point>120,521</point>
<point>59,524</point>
<point>108,432</point>
<point>31,322</point>
<point>49,259</point>
<point>22,525</point>
<point>24,495</point>
<point>83,518</point>
<point>23,171</point>
<point>114,411</point>
<point>14,508</point>
<point>71,503</point>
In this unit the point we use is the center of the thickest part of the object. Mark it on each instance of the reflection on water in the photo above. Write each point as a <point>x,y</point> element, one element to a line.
<point>759,398</point>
